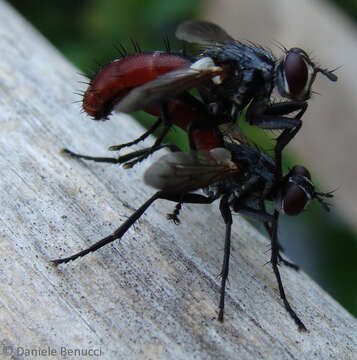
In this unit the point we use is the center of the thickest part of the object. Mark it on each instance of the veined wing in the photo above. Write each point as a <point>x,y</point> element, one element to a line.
<point>182,172</point>
<point>203,33</point>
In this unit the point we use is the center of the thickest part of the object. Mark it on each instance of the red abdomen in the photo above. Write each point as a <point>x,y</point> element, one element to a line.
<point>116,79</point>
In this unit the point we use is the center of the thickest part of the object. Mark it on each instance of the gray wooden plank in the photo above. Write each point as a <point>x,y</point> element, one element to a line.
<point>152,295</point>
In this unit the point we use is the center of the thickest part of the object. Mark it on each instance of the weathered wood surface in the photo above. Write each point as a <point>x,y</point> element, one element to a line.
<point>154,294</point>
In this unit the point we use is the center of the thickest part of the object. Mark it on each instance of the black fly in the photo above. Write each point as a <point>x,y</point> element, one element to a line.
<point>243,178</point>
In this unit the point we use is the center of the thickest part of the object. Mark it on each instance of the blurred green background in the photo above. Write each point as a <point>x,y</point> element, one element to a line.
<point>86,32</point>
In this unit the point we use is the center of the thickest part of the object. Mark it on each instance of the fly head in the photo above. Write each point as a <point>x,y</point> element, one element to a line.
<point>296,73</point>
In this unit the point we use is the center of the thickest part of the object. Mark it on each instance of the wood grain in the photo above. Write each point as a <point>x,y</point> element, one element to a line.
<point>154,294</point>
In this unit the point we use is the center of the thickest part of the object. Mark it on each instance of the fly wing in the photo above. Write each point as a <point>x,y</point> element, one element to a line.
<point>169,85</point>
<point>203,33</point>
<point>182,172</point>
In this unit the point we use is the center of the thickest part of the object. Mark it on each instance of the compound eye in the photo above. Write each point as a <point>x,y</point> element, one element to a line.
<point>301,171</point>
<point>294,200</point>
<point>297,75</point>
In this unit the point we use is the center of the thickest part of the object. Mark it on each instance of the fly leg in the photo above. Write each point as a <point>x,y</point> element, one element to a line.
<point>117,234</point>
<point>174,215</point>
<point>286,136</point>
<point>92,158</point>
<point>139,139</point>
<point>156,146</point>
<point>143,153</point>
<point>121,159</point>
<point>274,262</point>
<point>280,257</point>
<point>272,116</point>
<point>268,228</point>
<point>227,217</point>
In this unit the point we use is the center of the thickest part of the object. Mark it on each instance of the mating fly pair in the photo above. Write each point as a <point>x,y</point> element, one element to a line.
<point>229,76</point>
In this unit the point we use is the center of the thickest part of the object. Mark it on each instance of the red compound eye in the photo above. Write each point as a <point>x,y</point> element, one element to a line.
<point>296,73</point>
<point>295,200</point>
<point>298,191</point>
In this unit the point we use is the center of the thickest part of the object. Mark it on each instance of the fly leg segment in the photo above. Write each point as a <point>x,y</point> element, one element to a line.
<point>274,263</point>
<point>174,215</point>
<point>139,139</point>
<point>288,134</point>
<point>92,158</point>
<point>156,146</point>
<point>227,217</point>
<point>272,116</point>
<point>268,228</point>
<point>117,234</point>
<point>280,257</point>
<point>121,159</point>
<point>144,152</point>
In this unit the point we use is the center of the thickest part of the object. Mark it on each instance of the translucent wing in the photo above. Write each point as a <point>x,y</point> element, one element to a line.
<point>203,32</point>
<point>182,172</point>
<point>169,85</point>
